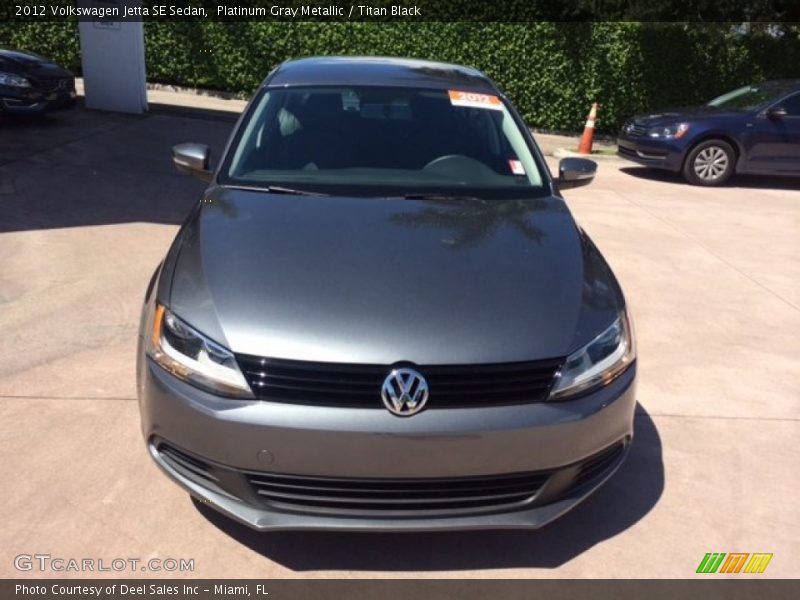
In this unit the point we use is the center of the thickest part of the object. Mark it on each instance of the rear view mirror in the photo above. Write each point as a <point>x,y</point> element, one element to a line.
<point>776,112</point>
<point>192,159</point>
<point>575,172</point>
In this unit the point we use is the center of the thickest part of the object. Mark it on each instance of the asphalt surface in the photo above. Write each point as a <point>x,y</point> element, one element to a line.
<point>89,203</point>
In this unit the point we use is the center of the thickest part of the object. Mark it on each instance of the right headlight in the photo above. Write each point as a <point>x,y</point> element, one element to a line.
<point>12,80</point>
<point>599,362</point>
<point>189,355</point>
<point>672,131</point>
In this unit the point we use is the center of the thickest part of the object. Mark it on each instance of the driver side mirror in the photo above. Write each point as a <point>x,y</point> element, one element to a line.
<point>192,159</point>
<point>776,112</point>
<point>575,172</point>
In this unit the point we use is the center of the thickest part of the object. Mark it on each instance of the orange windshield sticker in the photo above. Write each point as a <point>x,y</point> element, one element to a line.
<point>474,100</point>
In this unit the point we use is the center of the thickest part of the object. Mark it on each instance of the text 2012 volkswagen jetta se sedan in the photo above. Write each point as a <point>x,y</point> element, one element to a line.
<point>382,315</point>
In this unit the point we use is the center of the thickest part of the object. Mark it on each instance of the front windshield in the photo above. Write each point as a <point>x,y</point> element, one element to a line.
<point>386,140</point>
<point>746,98</point>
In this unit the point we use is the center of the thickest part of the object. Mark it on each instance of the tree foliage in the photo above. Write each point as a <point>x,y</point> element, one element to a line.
<point>552,71</point>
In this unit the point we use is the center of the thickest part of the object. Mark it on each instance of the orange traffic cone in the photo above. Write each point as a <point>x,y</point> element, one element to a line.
<point>585,147</point>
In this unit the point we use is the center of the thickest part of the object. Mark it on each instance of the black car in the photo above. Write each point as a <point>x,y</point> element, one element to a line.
<point>32,84</point>
<point>754,129</point>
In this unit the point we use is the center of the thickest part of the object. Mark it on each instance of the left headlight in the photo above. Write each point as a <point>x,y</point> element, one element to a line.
<point>191,356</point>
<point>599,362</point>
<point>671,132</point>
<point>12,80</point>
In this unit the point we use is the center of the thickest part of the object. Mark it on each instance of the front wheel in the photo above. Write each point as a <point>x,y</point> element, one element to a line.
<point>709,163</point>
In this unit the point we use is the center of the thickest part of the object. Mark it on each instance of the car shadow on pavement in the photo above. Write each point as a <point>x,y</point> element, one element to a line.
<point>87,168</point>
<point>625,499</point>
<point>765,182</point>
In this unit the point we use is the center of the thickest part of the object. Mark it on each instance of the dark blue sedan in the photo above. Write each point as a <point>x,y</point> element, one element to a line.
<point>754,129</point>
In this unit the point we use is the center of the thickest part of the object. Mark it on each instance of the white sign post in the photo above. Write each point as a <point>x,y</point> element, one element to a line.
<point>112,56</point>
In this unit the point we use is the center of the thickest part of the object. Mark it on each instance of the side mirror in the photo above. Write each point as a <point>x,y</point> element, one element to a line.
<point>192,159</point>
<point>575,172</point>
<point>776,112</point>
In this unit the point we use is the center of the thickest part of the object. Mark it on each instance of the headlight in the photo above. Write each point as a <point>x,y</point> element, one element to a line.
<point>671,132</point>
<point>599,362</point>
<point>12,80</point>
<point>189,355</point>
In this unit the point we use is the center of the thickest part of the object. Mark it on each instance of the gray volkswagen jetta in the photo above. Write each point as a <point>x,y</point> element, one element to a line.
<point>381,315</point>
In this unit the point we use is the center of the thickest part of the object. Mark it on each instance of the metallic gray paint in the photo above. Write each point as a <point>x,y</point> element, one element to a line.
<point>265,520</point>
<point>375,70</point>
<point>351,442</point>
<point>379,280</point>
<point>367,443</point>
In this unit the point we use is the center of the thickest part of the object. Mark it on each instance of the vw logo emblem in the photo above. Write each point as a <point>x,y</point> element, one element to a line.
<point>404,392</point>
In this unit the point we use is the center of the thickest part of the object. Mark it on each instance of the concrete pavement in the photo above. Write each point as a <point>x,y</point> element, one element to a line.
<point>89,203</point>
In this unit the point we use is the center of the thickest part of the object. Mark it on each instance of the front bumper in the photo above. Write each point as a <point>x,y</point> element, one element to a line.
<point>33,101</point>
<point>216,448</point>
<point>661,154</point>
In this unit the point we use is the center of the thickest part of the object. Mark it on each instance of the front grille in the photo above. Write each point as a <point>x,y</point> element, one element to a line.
<point>634,130</point>
<point>395,495</point>
<point>54,85</point>
<point>350,385</point>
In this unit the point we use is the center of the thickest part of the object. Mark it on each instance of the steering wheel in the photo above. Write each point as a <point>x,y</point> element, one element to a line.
<point>453,160</point>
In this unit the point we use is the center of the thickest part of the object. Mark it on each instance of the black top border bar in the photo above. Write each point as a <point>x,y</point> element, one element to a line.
<point>689,11</point>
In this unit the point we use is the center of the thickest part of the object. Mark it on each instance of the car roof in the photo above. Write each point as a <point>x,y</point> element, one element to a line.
<point>19,54</point>
<point>777,87</point>
<point>780,84</point>
<point>379,71</point>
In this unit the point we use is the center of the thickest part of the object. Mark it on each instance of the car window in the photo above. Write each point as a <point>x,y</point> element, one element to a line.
<point>792,105</point>
<point>747,97</point>
<point>401,139</point>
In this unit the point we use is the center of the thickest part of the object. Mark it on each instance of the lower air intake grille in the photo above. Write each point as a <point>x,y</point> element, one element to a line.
<point>353,385</point>
<point>395,495</point>
<point>189,466</point>
<point>597,465</point>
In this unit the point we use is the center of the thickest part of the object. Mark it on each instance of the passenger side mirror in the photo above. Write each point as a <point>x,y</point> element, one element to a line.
<point>192,159</point>
<point>776,112</point>
<point>575,172</point>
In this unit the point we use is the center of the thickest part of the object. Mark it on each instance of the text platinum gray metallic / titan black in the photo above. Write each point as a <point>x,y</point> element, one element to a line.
<point>381,314</point>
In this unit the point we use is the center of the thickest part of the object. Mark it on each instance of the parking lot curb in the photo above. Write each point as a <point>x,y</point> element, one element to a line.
<point>565,153</point>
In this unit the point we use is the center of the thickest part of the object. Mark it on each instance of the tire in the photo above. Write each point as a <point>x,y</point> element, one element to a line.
<point>711,162</point>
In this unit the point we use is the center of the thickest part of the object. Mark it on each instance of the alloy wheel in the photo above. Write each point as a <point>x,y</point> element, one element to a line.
<point>711,163</point>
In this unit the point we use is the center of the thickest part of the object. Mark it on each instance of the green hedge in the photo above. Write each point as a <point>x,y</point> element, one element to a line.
<point>551,71</point>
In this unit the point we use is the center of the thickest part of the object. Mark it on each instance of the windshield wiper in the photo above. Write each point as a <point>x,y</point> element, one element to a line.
<point>422,196</point>
<point>277,189</point>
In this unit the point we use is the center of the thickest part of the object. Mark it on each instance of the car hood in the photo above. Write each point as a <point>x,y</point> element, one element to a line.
<point>378,280</point>
<point>24,63</point>
<point>677,115</point>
